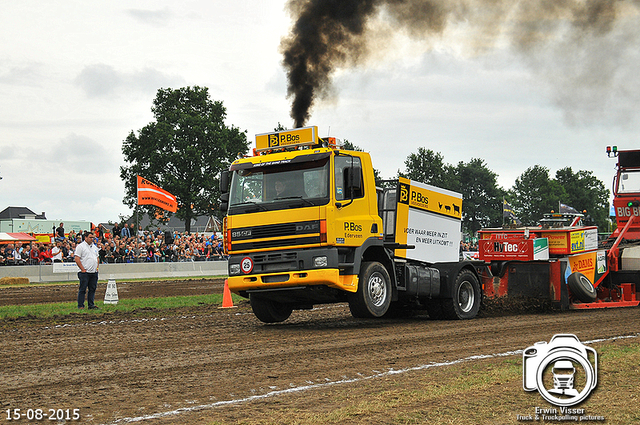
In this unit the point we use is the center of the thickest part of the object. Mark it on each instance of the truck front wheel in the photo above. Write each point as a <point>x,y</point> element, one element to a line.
<point>465,303</point>
<point>374,291</point>
<point>269,311</point>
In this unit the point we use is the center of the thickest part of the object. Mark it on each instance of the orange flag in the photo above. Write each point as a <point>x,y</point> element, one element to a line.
<point>150,194</point>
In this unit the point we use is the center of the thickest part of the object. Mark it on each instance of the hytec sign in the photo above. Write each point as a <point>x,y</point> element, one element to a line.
<point>514,249</point>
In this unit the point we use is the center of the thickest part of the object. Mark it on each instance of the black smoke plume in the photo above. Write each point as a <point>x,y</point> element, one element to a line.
<point>332,34</point>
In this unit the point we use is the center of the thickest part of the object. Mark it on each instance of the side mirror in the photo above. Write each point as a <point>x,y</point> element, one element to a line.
<point>356,182</point>
<point>224,202</point>
<point>224,182</point>
<point>353,182</point>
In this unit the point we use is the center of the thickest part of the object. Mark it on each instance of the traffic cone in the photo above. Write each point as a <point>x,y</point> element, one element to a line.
<point>227,302</point>
<point>111,295</point>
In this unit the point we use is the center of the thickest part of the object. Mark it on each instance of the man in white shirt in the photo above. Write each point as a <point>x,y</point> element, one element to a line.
<point>56,253</point>
<point>86,257</point>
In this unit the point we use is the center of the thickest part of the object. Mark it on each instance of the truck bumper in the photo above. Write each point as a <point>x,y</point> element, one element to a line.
<point>326,277</point>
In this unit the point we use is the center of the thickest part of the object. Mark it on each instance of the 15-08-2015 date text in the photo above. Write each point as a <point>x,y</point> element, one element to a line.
<point>42,414</point>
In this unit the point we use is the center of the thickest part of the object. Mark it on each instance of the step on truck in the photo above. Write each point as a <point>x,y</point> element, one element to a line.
<point>562,261</point>
<point>306,225</point>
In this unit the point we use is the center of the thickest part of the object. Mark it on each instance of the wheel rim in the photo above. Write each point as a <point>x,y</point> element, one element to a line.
<point>586,284</point>
<point>466,296</point>
<point>377,289</point>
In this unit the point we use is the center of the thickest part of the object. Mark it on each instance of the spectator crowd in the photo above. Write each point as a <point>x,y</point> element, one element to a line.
<point>118,246</point>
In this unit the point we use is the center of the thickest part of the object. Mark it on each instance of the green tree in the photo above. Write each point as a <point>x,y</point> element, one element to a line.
<point>584,192</point>
<point>481,195</point>
<point>280,127</point>
<point>183,151</point>
<point>482,198</point>
<point>535,193</point>
<point>427,166</point>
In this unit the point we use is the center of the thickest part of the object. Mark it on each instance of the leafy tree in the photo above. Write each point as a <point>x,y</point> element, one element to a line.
<point>482,198</point>
<point>535,193</point>
<point>583,191</point>
<point>427,166</point>
<point>280,127</point>
<point>183,151</point>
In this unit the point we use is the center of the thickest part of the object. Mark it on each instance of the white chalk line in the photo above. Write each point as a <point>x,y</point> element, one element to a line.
<point>303,388</point>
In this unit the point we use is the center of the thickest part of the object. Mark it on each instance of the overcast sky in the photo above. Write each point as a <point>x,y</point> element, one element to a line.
<point>77,76</point>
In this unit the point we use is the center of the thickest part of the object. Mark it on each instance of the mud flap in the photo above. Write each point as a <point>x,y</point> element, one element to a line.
<point>529,279</point>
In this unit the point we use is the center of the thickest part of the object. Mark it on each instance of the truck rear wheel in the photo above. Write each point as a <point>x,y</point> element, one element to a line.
<point>374,291</point>
<point>269,311</point>
<point>581,287</point>
<point>465,303</point>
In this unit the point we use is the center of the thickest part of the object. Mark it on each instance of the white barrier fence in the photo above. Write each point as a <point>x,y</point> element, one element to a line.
<point>63,272</point>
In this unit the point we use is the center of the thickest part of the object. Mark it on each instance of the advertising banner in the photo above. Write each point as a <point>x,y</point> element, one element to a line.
<point>150,194</point>
<point>428,218</point>
<point>510,249</point>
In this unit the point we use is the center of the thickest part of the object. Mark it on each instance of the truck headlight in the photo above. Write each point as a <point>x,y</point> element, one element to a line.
<point>234,269</point>
<point>320,261</point>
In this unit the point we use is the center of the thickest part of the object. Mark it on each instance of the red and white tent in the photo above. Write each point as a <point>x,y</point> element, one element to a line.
<point>16,237</point>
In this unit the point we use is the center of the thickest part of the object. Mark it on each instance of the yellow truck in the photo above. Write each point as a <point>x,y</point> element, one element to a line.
<point>307,225</point>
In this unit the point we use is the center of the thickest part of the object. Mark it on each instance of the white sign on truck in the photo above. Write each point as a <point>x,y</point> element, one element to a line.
<point>429,218</point>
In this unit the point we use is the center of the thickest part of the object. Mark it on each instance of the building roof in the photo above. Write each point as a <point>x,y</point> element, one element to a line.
<point>199,224</point>
<point>20,212</point>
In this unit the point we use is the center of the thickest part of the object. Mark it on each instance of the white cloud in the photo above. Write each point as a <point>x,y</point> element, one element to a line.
<point>29,74</point>
<point>151,17</point>
<point>103,80</point>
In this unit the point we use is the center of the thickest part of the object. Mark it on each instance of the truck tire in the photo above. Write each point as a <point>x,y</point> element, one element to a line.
<point>581,287</point>
<point>373,297</point>
<point>269,311</point>
<point>465,303</point>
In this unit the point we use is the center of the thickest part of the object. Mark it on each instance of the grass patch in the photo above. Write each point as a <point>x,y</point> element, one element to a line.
<point>142,279</point>
<point>125,305</point>
<point>483,392</point>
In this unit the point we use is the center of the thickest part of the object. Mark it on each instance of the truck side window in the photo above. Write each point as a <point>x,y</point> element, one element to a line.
<point>344,165</point>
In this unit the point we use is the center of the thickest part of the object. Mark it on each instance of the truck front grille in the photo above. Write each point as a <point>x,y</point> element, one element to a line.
<point>275,235</point>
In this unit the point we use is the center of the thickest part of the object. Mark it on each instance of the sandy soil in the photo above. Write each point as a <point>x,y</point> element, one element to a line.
<point>211,365</point>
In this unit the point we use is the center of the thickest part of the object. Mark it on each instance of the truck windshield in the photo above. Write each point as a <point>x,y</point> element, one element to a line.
<point>275,187</point>
<point>629,182</point>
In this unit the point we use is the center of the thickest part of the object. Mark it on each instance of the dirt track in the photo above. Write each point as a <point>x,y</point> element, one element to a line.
<point>120,366</point>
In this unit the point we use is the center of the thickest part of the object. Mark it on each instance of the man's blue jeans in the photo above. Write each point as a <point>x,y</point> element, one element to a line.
<point>90,281</point>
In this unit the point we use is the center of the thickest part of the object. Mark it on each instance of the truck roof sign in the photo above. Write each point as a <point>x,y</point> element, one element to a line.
<point>304,136</point>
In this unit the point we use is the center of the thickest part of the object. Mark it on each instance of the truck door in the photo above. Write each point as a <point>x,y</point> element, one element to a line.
<point>352,217</point>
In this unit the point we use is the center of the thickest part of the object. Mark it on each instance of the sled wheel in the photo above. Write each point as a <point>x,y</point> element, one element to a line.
<point>581,287</point>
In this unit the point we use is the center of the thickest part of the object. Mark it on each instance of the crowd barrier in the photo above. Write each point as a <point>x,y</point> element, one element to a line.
<point>63,272</point>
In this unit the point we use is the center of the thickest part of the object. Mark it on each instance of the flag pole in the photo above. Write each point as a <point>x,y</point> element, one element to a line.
<point>137,208</point>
